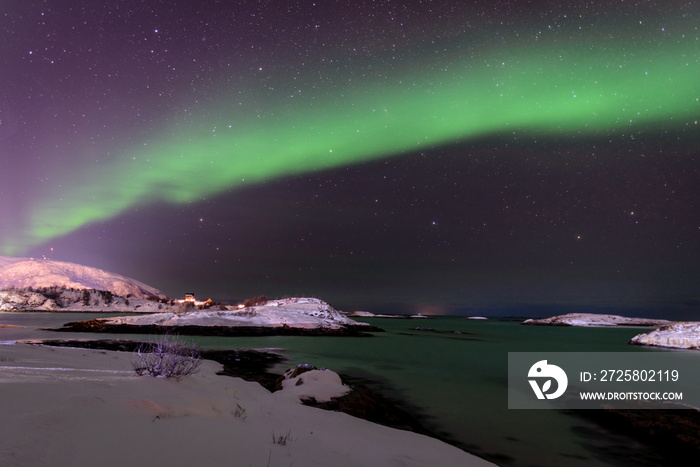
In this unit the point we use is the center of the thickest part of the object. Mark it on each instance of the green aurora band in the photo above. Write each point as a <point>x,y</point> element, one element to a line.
<point>571,90</point>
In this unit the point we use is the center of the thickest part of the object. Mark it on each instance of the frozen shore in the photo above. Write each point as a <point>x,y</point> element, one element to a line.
<point>66,406</point>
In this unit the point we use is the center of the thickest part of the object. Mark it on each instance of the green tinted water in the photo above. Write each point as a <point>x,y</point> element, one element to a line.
<point>460,381</point>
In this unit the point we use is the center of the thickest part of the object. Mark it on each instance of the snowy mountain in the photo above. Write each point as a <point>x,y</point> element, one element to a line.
<point>25,273</point>
<point>5,260</point>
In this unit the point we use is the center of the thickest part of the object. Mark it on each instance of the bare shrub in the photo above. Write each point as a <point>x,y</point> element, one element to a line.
<point>255,301</point>
<point>239,412</point>
<point>167,357</point>
<point>184,307</point>
<point>245,313</point>
<point>282,440</point>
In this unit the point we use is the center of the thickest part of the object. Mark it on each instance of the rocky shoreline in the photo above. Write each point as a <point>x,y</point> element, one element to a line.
<point>100,326</point>
<point>674,434</point>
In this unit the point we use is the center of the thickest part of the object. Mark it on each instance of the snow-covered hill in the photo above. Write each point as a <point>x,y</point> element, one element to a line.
<point>24,273</point>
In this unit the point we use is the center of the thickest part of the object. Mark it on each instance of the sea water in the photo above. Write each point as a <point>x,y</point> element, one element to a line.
<point>454,375</point>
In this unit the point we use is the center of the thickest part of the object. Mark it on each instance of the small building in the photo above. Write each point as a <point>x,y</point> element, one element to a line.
<point>189,298</point>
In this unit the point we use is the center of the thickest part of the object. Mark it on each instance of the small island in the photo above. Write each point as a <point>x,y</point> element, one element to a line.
<point>669,334</point>
<point>289,316</point>
<point>594,319</point>
<point>369,314</point>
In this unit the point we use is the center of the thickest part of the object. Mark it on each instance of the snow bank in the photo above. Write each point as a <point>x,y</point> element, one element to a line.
<point>100,413</point>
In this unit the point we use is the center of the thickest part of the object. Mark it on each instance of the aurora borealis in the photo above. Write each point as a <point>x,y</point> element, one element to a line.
<point>129,112</point>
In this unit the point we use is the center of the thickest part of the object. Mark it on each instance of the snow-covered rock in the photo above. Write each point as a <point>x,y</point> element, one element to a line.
<point>680,335</point>
<point>11,300</point>
<point>59,299</point>
<point>593,319</point>
<point>23,273</point>
<point>310,383</point>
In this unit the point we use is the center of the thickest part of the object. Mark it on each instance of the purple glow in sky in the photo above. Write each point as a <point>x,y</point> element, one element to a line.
<point>323,148</point>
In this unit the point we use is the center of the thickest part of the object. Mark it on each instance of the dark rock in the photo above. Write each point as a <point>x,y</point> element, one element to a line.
<point>247,364</point>
<point>673,434</point>
<point>98,325</point>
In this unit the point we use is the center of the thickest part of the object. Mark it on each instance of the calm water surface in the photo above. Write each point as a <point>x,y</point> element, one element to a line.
<point>459,381</point>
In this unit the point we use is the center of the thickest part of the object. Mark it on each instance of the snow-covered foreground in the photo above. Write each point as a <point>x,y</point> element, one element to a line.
<point>79,407</point>
<point>593,319</point>
<point>680,335</point>
<point>301,313</point>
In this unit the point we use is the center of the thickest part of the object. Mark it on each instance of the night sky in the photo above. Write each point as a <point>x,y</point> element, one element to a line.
<point>474,157</point>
